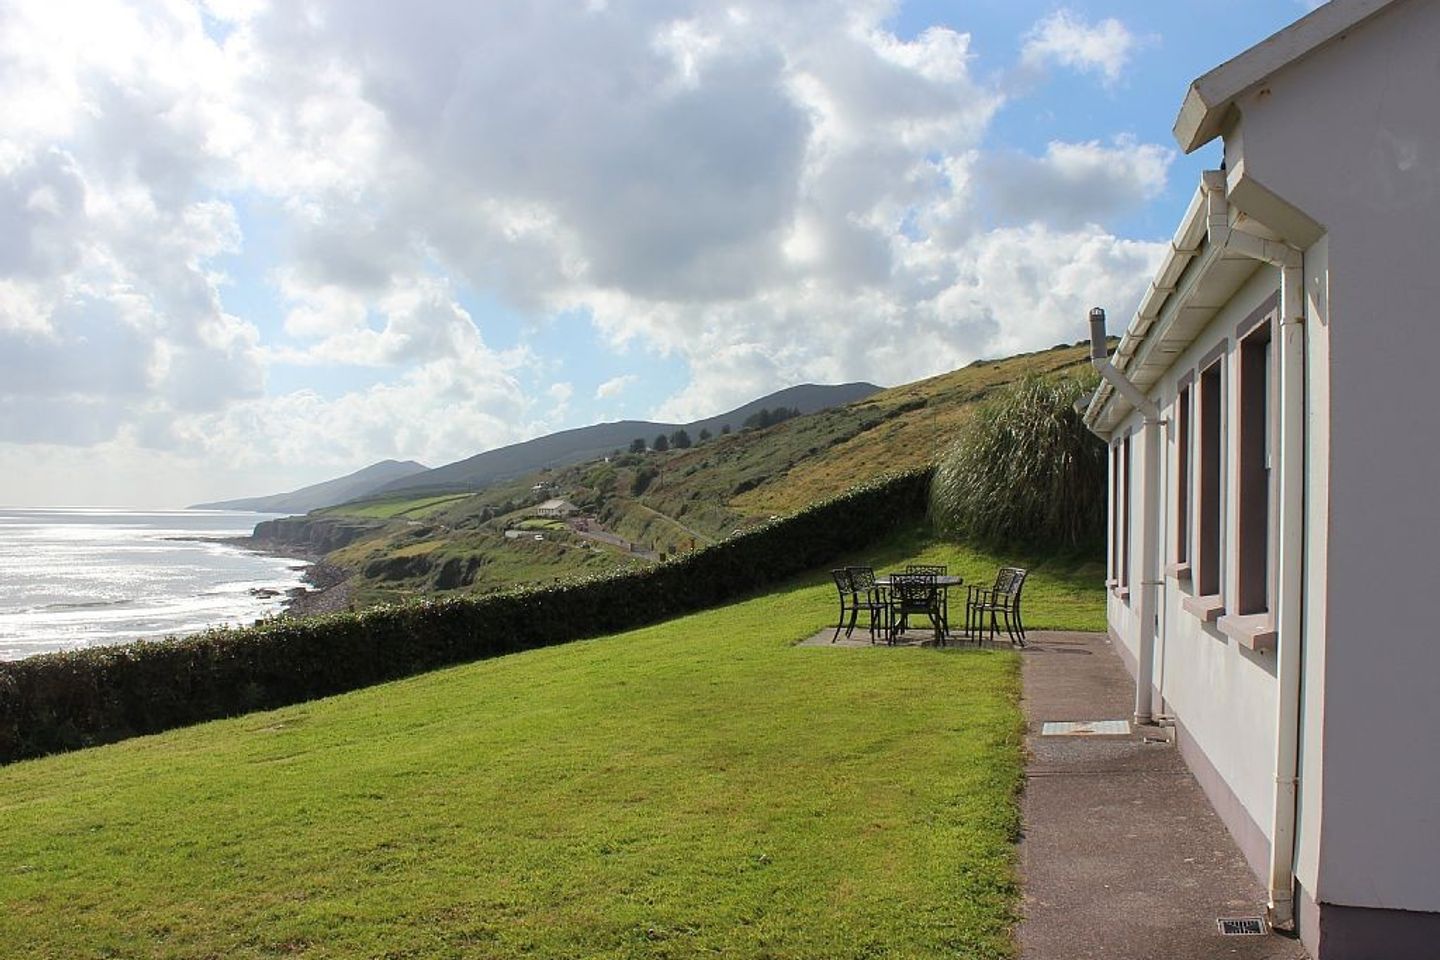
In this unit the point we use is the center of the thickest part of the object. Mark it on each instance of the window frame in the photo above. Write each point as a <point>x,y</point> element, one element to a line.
<point>1127,511</point>
<point>1208,480</point>
<point>1255,411</point>
<point>1255,475</point>
<point>1182,486</point>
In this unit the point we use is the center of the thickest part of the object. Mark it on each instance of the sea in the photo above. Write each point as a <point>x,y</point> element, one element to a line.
<point>74,577</point>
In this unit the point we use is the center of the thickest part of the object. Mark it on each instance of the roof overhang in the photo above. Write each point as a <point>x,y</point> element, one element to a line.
<point>1210,100</point>
<point>1194,281</point>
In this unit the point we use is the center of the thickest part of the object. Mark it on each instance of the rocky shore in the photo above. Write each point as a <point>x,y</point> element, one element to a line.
<point>328,592</point>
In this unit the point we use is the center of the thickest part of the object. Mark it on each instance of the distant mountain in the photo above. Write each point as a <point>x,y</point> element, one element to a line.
<point>584,443</point>
<point>352,486</point>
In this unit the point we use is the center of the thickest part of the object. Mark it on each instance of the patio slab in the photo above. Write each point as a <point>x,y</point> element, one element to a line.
<point>910,638</point>
<point>1122,856</point>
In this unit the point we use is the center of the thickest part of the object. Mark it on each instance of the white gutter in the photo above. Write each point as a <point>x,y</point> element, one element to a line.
<point>1150,513</point>
<point>1184,247</point>
<point>1289,575</point>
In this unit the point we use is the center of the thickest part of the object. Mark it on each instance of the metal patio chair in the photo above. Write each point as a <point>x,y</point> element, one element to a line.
<point>868,596</point>
<point>914,593</point>
<point>857,591</point>
<point>1002,601</point>
<point>939,570</point>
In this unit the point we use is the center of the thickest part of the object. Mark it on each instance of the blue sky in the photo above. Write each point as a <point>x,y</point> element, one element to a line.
<point>249,250</point>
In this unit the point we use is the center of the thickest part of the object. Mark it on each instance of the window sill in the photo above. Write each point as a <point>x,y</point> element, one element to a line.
<point>1112,583</point>
<point>1208,608</point>
<point>1178,571</point>
<point>1255,631</point>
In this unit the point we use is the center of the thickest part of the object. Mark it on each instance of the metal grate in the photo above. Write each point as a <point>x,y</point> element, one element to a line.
<point>1085,728</point>
<point>1241,926</point>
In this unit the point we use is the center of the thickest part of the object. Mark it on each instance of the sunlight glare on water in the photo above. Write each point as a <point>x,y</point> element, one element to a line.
<point>77,576</point>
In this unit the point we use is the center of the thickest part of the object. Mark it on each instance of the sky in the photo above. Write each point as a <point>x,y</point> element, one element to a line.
<point>248,246</point>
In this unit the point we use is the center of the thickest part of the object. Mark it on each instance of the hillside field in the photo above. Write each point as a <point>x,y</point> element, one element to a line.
<point>666,502</point>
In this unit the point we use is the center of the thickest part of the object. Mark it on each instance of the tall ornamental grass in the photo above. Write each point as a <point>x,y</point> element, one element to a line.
<point>1025,472</point>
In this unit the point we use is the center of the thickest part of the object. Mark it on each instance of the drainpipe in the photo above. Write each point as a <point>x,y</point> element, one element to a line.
<point>1150,513</point>
<point>1290,582</point>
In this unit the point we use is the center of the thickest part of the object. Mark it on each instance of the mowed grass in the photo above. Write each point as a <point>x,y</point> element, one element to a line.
<point>700,788</point>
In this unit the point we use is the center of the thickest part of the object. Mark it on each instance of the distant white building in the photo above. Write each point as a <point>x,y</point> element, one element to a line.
<point>556,508</point>
<point>1274,465</point>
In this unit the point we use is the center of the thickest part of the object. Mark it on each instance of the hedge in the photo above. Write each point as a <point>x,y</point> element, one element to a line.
<point>64,701</point>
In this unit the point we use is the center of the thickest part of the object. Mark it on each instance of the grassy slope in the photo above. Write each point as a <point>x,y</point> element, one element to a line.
<point>918,422</point>
<point>706,491</point>
<point>702,787</point>
<point>391,507</point>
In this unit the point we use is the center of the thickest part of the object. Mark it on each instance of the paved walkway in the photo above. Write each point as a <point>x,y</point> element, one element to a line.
<point>1122,856</point>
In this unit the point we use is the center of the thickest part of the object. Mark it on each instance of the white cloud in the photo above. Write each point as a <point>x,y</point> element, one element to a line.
<point>614,386</point>
<point>1065,39</point>
<point>1076,183</point>
<point>769,193</point>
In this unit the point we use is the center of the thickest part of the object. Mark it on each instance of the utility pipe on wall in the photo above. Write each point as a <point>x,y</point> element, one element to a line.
<point>1290,582</point>
<point>1149,517</point>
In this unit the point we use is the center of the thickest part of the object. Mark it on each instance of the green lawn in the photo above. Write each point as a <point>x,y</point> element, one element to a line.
<point>699,788</point>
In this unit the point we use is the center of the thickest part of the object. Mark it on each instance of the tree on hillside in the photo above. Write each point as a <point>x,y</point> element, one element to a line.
<point>768,418</point>
<point>637,445</point>
<point>725,430</point>
<point>1025,472</point>
<point>680,440</point>
<point>643,478</point>
<point>661,444</point>
<point>704,434</point>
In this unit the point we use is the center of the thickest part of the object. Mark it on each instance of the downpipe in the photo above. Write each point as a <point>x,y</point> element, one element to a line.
<point>1290,582</point>
<point>1149,517</point>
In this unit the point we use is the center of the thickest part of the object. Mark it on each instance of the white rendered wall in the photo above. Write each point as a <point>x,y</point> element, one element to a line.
<point>1122,605</point>
<point>1221,692</point>
<point>1351,136</point>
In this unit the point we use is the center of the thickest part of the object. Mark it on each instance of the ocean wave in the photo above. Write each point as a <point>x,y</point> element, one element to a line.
<point>83,605</point>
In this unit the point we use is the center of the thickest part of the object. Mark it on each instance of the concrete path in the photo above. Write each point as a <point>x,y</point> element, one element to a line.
<point>1122,857</point>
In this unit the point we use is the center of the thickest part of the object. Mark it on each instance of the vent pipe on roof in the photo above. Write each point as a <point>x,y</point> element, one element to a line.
<point>1149,517</point>
<point>1100,360</point>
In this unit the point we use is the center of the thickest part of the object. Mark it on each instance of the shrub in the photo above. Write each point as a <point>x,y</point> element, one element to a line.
<point>1025,471</point>
<point>643,478</point>
<point>66,700</point>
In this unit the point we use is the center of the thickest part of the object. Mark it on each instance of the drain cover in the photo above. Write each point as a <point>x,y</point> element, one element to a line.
<point>1241,926</point>
<point>1085,728</point>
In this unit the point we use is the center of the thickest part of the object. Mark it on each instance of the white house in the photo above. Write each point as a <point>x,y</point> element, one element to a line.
<point>556,508</point>
<point>1275,473</point>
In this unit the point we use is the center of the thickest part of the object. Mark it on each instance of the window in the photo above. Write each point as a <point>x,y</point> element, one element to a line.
<point>1125,518</point>
<point>1253,476</point>
<point>1182,473</point>
<point>1207,552</point>
<point>1114,558</point>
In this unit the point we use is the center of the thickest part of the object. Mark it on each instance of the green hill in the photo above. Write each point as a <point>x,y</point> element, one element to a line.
<point>352,486</point>
<point>586,443</point>
<point>649,504</point>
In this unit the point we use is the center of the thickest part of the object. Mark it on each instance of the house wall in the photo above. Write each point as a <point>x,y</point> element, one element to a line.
<point>1222,694</point>
<point>1351,136</point>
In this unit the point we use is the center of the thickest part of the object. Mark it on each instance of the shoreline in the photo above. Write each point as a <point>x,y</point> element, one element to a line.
<point>328,588</point>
